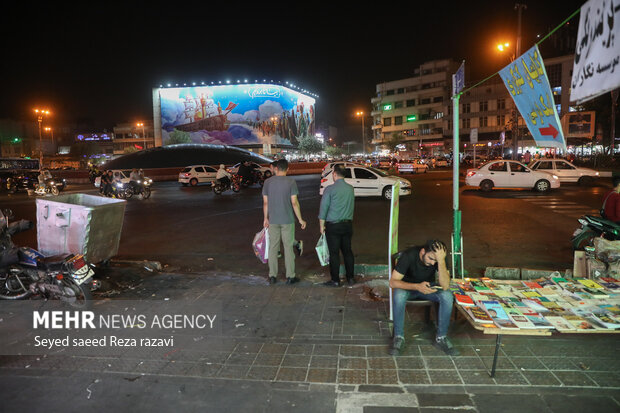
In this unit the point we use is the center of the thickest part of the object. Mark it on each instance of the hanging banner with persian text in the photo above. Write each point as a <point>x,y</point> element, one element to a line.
<point>596,69</point>
<point>528,84</point>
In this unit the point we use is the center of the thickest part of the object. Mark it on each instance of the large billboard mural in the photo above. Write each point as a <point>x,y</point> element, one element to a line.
<point>248,114</point>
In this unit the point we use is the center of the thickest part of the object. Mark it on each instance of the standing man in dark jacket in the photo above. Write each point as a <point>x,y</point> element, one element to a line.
<point>336,222</point>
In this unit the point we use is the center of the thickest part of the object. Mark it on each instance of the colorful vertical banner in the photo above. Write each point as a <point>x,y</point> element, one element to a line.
<point>458,80</point>
<point>528,84</point>
<point>596,69</point>
<point>393,234</point>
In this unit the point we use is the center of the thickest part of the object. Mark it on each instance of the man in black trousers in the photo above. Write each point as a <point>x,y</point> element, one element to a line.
<point>336,222</point>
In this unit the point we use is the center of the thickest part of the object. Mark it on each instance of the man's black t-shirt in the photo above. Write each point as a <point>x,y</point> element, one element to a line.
<point>413,269</point>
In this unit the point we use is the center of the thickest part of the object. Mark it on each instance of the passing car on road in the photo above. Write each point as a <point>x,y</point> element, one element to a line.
<point>330,166</point>
<point>265,170</point>
<point>197,174</point>
<point>510,174</point>
<point>566,171</point>
<point>368,181</point>
<point>411,166</point>
<point>441,163</point>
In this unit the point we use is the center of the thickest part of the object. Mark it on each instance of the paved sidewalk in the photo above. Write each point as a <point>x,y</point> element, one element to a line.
<point>311,348</point>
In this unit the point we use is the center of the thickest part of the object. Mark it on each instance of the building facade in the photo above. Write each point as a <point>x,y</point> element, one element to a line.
<point>131,137</point>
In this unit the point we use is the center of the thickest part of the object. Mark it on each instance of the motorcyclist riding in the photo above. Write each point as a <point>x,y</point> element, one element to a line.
<point>106,183</point>
<point>134,178</point>
<point>223,176</point>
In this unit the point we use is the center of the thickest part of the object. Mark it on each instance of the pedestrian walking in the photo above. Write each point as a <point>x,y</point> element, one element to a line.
<point>336,222</point>
<point>413,278</point>
<point>280,207</point>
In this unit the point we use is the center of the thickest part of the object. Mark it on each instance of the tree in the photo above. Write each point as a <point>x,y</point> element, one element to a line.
<point>178,136</point>
<point>333,151</point>
<point>309,145</point>
<point>393,142</point>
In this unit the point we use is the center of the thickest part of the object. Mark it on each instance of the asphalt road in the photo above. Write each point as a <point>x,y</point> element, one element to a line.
<point>192,229</point>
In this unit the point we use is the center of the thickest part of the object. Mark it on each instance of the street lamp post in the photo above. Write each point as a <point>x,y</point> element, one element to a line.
<point>41,113</point>
<point>361,114</point>
<point>141,125</point>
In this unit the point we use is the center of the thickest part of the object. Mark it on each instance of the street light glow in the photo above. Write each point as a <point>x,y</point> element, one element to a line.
<point>502,47</point>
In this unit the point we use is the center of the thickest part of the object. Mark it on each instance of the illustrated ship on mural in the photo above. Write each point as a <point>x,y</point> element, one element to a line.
<point>217,122</point>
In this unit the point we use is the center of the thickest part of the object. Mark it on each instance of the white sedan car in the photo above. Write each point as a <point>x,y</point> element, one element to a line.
<point>330,166</point>
<point>368,181</point>
<point>510,174</point>
<point>411,166</point>
<point>197,174</point>
<point>566,171</point>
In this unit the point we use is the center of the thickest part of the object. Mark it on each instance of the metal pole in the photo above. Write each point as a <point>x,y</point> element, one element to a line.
<point>456,242</point>
<point>363,137</point>
<point>519,8</point>
<point>40,119</point>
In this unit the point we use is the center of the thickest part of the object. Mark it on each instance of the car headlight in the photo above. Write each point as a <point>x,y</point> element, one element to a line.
<point>555,177</point>
<point>596,173</point>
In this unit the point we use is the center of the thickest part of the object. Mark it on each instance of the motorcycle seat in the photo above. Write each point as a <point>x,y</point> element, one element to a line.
<point>53,261</point>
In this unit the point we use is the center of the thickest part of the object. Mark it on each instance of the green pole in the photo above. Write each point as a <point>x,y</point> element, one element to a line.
<point>456,229</point>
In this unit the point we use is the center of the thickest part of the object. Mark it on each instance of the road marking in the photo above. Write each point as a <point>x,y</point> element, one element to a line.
<point>356,402</point>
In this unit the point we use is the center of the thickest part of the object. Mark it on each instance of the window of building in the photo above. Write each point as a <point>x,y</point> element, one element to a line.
<point>387,121</point>
<point>437,99</point>
<point>398,120</point>
<point>411,102</point>
<point>398,105</point>
<point>501,103</point>
<point>484,106</point>
<point>483,121</point>
<point>389,92</point>
<point>409,132</point>
<point>501,120</point>
<point>400,90</point>
<point>554,73</point>
<point>438,115</point>
<point>425,101</point>
<point>466,107</point>
<point>466,123</point>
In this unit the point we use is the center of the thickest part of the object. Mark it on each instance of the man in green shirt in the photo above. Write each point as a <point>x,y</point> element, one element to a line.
<point>336,222</point>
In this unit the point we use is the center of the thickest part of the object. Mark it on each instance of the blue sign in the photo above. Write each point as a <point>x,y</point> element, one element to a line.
<point>528,84</point>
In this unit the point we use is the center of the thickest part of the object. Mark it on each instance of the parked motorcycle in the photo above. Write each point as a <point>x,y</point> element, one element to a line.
<point>25,272</point>
<point>234,184</point>
<point>141,188</point>
<point>593,227</point>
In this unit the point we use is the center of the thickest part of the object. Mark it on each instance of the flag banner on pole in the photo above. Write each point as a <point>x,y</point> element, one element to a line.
<point>528,84</point>
<point>458,80</point>
<point>596,69</point>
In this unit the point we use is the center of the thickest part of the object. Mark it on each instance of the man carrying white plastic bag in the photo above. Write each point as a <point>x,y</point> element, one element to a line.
<point>336,224</point>
<point>322,250</point>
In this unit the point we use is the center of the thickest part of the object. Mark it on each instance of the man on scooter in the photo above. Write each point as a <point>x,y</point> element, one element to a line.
<point>223,177</point>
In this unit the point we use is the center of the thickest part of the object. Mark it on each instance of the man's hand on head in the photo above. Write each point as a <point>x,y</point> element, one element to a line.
<point>440,251</point>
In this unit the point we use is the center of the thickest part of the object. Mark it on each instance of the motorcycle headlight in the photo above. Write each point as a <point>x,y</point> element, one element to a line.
<point>139,182</point>
<point>583,222</point>
<point>119,185</point>
<point>52,183</point>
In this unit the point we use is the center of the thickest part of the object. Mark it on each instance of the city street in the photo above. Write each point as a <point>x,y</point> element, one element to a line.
<point>193,229</point>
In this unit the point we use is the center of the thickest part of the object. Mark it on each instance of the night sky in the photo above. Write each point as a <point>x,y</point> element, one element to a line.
<point>99,62</point>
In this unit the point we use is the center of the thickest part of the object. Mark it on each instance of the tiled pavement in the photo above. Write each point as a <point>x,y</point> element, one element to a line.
<point>311,348</point>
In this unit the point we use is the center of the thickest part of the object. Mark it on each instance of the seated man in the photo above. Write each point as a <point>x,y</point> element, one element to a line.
<point>222,177</point>
<point>413,278</point>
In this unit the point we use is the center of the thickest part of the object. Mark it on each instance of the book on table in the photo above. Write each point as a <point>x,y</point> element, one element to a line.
<point>463,300</point>
<point>497,313</point>
<point>589,283</point>
<point>606,321</point>
<point>560,323</point>
<point>531,285</point>
<point>578,322</point>
<point>518,318</point>
<point>596,293</point>
<point>539,321</point>
<point>479,315</point>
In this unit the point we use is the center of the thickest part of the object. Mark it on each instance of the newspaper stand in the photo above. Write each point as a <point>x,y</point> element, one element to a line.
<point>80,224</point>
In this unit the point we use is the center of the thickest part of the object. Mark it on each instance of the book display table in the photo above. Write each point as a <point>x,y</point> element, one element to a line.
<point>538,307</point>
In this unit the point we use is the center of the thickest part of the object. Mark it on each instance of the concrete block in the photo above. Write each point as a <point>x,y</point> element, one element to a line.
<point>503,273</point>
<point>530,274</point>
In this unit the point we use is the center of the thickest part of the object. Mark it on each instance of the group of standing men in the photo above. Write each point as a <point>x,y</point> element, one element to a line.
<point>414,276</point>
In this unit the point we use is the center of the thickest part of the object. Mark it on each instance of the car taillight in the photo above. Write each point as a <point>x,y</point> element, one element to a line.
<point>471,173</point>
